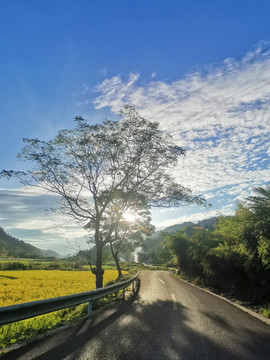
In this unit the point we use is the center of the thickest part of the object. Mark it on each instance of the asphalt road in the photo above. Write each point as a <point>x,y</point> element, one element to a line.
<point>169,319</point>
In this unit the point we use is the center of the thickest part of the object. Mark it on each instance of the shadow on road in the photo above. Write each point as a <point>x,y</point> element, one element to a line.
<point>218,320</point>
<point>70,339</point>
<point>149,330</point>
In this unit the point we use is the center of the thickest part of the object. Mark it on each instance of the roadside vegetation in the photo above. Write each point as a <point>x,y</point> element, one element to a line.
<point>232,258</point>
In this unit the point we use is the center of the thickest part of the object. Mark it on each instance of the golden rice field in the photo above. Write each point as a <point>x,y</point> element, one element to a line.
<point>23,286</point>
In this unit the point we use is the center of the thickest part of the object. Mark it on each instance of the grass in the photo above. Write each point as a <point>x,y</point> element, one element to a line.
<point>265,311</point>
<point>30,328</point>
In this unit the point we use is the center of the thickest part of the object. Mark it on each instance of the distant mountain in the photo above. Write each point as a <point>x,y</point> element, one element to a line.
<point>50,253</point>
<point>153,248</point>
<point>206,224</point>
<point>174,228</point>
<point>12,247</point>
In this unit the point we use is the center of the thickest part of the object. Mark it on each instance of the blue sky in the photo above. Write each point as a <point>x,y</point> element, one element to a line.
<point>59,59</point>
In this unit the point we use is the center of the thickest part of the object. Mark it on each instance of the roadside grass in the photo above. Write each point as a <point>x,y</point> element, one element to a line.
<point>265,311</point>
<point>31,328</point>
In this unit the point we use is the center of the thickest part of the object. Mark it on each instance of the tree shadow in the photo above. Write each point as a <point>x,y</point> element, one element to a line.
<point>72,337</point>
<point>217,319</point>
<point>257,344</point>
<point>145,329</point>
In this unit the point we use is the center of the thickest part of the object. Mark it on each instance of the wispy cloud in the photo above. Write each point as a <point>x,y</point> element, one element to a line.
<point>24,214</point>
<point>27,191</point>
<point>225,126</point>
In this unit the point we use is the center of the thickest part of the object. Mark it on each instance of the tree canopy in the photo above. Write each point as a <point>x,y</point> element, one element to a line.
<point>89,165</point>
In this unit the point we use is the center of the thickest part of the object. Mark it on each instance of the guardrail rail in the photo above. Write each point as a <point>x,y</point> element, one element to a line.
<point>13,313</point>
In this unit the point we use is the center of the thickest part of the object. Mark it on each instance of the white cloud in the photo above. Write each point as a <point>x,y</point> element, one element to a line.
<point>23,215</point>
<point>28,191</point>
<point>26,209</point>
<point>209,195</point>
<point>116,90</point>
<point>225,126</point>
<point>52,225</point>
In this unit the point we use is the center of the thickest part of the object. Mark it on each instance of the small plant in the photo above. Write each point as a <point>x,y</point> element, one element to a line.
<point>265,311</point>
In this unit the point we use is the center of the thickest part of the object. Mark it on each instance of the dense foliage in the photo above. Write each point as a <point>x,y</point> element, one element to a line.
<point>233,257</point>
<point>155,252</point>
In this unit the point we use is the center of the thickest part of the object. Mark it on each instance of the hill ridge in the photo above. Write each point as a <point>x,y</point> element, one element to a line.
<point>13,247</point>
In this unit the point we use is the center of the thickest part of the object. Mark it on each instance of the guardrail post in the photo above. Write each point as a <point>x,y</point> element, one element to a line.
<point>123,295</point>
<point>89,309</point>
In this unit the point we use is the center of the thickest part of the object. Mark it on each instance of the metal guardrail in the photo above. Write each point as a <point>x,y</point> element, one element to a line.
<point>9,314</point>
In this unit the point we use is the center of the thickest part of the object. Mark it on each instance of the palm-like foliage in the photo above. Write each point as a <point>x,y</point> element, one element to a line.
<point>261,201</point>
<point>260,206</point>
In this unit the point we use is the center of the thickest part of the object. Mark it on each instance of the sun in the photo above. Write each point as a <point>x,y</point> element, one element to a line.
<point>128,216</point>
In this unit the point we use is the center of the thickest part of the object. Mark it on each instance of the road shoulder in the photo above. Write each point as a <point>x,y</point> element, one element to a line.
<point>241,307</point>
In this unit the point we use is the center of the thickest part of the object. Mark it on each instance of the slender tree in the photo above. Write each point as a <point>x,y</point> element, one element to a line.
<point>88,165</point>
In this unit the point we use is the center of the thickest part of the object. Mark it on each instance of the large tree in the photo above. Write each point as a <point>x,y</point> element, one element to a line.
<point>88,165</point>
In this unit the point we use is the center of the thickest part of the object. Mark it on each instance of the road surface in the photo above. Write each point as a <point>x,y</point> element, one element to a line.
<point>169,319</point>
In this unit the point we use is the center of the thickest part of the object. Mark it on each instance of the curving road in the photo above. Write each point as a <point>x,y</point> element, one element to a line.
<point>170,319</point>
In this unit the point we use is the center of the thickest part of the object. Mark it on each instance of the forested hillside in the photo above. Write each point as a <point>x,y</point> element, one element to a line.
<point>12,247</point>
<point>155,251</point>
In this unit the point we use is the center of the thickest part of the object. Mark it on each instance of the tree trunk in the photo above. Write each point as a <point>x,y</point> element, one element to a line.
<point>98,270</point>
<point>118,266</point>
<point>116,259</point>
